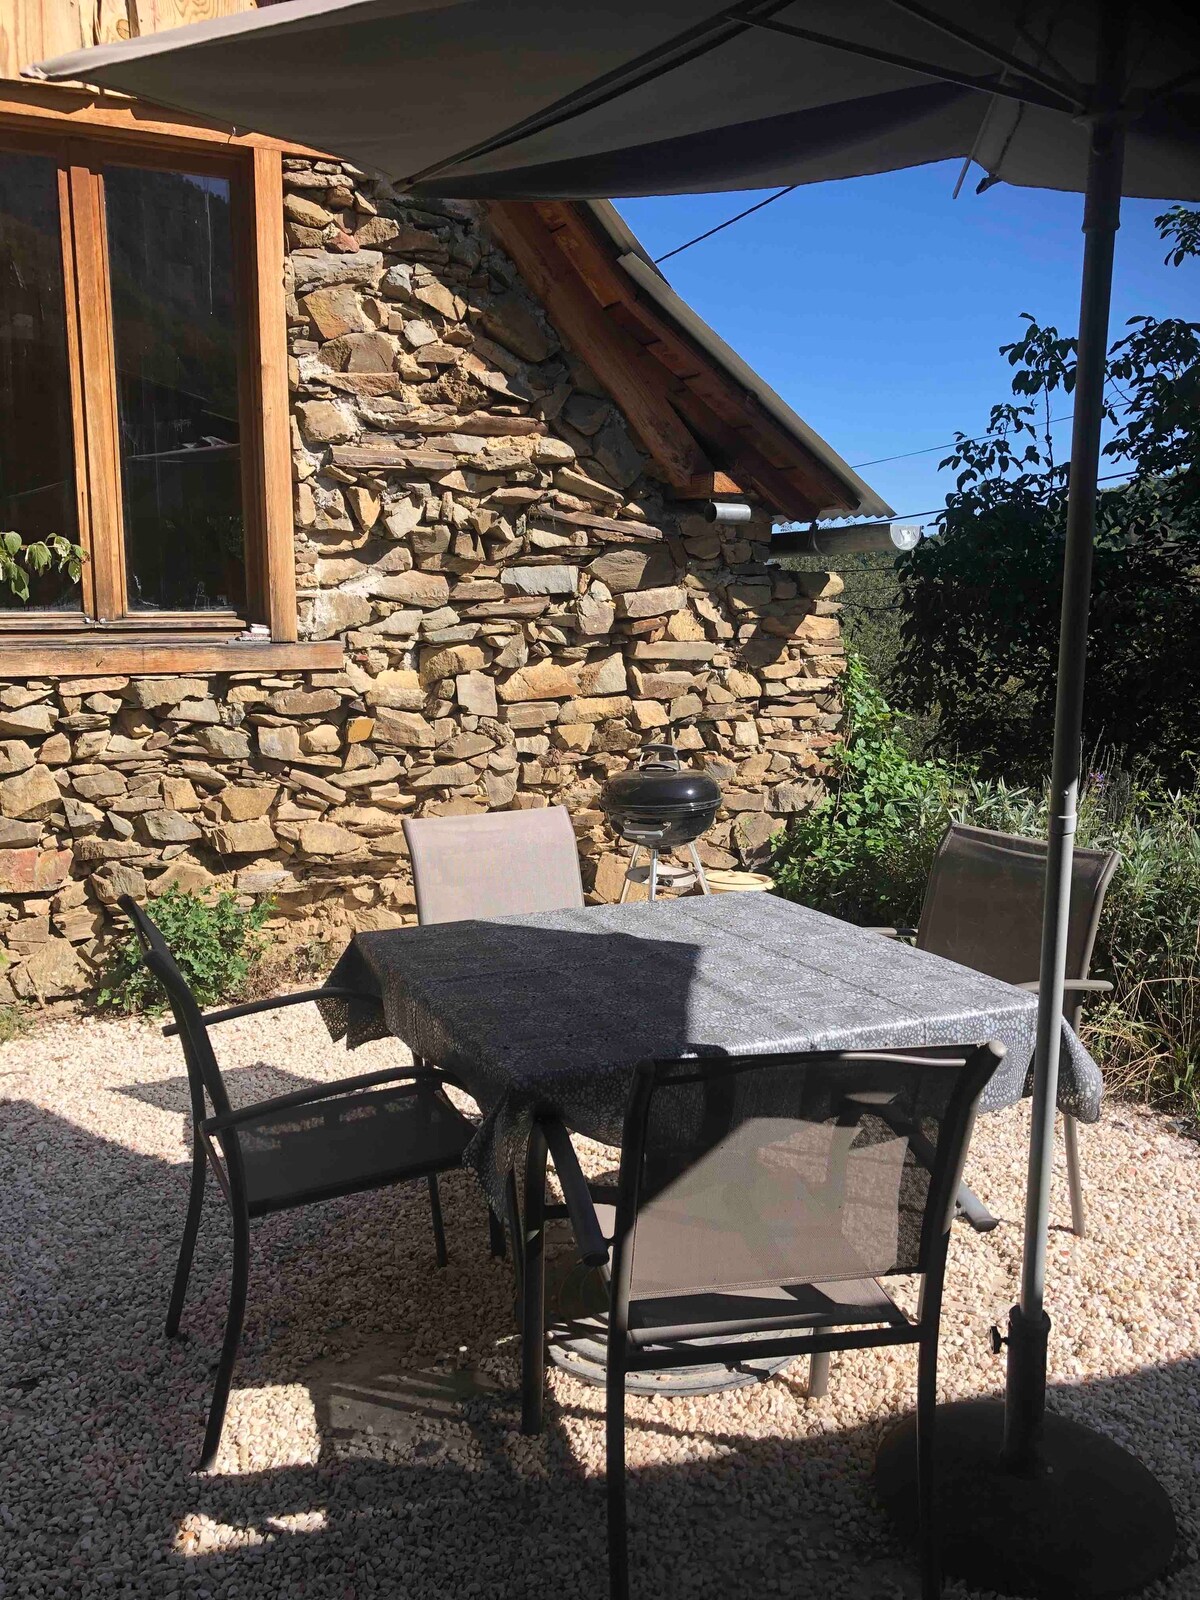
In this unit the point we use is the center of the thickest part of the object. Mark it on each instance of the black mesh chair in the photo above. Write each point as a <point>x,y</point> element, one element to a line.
<point>760,1203</point>
<point>983,908</point>
<point>317,1144</point>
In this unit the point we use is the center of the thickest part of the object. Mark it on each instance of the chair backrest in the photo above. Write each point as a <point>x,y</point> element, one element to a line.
<point>766,1171</point>
<point>984,900</point>
<point>204,1075</point>
<point>496,864</point>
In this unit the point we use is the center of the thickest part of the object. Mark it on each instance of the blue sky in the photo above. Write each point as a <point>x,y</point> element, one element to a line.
<point>876,306</point>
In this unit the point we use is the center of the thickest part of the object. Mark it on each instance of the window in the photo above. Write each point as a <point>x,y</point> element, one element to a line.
<point>143,399</point>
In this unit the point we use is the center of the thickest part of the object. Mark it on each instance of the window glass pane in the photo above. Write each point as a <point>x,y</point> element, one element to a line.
<point>37,465</point>
<point>170,249</point>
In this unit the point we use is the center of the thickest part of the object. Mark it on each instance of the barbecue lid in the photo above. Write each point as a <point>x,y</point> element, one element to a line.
<point>662,789</point>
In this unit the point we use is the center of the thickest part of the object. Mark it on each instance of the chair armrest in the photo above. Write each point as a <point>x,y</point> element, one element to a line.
<point>310,1096</point>
<point>593,1247</point>
<point>894,933</point>
<point>1074,986</point>
<point>301,997</point>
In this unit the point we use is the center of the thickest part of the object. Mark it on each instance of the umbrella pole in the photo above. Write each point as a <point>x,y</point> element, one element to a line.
<point>1030,1502</point>
<point>1028,1324</point>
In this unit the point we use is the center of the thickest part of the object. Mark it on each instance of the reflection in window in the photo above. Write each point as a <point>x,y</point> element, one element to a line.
<point>170,249</point>
<point>37,465</point>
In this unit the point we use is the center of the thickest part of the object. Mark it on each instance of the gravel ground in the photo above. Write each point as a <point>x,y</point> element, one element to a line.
<point>356,1461</point>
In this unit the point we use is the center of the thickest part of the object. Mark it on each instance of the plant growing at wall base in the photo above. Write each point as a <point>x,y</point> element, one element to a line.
<point>862,853</point>
<point>216,940</point>
<point>18,560</point>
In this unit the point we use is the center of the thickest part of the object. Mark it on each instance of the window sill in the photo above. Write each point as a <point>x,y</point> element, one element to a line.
<point>41,655</point>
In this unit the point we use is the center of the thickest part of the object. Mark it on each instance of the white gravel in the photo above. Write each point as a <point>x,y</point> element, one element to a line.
<point>749,1493</point>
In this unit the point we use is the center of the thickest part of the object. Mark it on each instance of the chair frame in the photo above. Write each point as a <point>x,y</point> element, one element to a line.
<point>225,1159</point>
<point>626,1352</point>
<point>1077,986</point>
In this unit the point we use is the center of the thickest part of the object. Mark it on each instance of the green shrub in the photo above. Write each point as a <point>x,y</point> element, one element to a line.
<point>13,1023</point>
<point>217,943</point>
<point>863,852</point>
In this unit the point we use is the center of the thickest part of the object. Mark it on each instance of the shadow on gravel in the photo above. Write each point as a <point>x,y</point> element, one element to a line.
<point>424,1487</point>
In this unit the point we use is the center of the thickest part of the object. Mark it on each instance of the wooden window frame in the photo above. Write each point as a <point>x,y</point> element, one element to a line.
<point>104,637</point>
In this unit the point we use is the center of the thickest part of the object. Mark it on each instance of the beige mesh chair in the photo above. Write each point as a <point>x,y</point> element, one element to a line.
<point>762,1204</point>
<point>496,864</point>
<point>983,908</point>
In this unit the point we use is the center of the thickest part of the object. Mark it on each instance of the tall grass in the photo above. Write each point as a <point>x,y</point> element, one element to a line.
<point>865,853</point>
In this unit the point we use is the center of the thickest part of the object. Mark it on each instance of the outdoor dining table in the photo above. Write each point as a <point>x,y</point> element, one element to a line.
<point>548,1014</point>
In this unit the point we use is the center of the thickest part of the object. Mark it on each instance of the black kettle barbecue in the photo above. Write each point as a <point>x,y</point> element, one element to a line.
<point>658,805</point>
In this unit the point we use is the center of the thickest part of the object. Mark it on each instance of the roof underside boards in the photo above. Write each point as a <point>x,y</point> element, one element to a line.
<point>710,423</point>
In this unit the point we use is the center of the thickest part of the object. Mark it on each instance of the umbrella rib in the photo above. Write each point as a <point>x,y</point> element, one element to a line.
<point>1003,58</point>
<point>725,25</point>
<point>1173,85</point>
<point>1033,94</point>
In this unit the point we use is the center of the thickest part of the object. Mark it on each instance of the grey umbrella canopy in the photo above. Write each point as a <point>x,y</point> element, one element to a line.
<point>517,99</point>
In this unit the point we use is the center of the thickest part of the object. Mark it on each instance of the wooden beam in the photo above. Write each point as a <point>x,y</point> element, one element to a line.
<point>33,30</point>
<point>155,16</point>
<point>711,483</point>
<point>38,656</point>
<point>639,388</point>
<point>591,256</point>
<point>277,571</point>
<point>53,107</point>
<point>98,393</point>
<point>747,465</point>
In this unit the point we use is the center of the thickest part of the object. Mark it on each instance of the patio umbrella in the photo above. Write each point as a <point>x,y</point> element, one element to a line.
<point>515,99</point>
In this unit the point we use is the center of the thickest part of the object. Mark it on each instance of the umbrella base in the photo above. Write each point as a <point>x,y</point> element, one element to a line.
<point>1091,1523</point>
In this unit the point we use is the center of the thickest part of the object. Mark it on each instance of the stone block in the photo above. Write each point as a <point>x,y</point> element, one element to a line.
<point>408,729</point>
<point>21,721</point>
<point>99,785</point>
<point>596,710</point>
<point>15,756</point>
<point>500,788</point>
<point>316,269</point>
<point>429,590</point>
<point>32,795</point>
<point>53,969</point>
<point>184,874</point>
<point>279,744</point>
<point>513,324</point>
<point>541,580</point>
<point>153,694</point>
<point>450,662</point>
<point>651,602</point>
<point>454,776</point>
<point>399,688</point>
<point>301,702</point>
<point>631,568</point>
<point>246,802</point>
<point>116,878</point>
<point>540,680</point>
<point>476,694</point>
<point>327,839</point>
<point>16,835</point>
<point>180,794</point>
<point>229,744</point>
<point>336,309</point>
<point>166,827</point>
<point>326,421</point>
<point>252,837</point>
<point>606,676</point>
<point>33,871</point>
<point>535,714</point>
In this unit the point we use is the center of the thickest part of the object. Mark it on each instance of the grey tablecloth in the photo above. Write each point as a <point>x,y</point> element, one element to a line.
<point>553,1011</point>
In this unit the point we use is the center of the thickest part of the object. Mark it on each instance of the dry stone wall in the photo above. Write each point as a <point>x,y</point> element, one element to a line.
<point>521,604</point>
